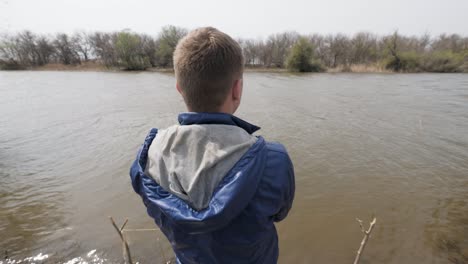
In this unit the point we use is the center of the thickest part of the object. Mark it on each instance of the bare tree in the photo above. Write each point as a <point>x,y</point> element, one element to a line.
<point>26,48</point>
<point>424,42</point>
<point>278,47</point>
<point>339,50</point>
<point>252,51</point>
<point>265,53</point>
<point>25,43</point>
<point>392,45</point>
<point>8,49</point>
<point>103,47</point>
<point>149,49</point>
<point>452,42</point>
<point>363,48</point>
<point>44,49</point>
<point>66,50</point>
<point>82,45</point>
<point>320,45</point>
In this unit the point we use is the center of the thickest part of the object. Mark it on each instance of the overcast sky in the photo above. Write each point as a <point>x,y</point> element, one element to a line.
<point>240,18</point>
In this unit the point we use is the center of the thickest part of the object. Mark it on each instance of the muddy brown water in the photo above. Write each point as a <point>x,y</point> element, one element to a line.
<point>391,144</point>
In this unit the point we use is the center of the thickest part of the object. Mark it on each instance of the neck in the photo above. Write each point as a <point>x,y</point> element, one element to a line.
<point>228,107</point>
<point>225,109</point>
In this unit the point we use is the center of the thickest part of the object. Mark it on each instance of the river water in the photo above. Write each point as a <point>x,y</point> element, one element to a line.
<point>393,145</point>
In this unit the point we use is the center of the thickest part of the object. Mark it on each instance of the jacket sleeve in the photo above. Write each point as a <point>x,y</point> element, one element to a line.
<point>288,190</point>
<point>279,185</point>
<point>140,162</point>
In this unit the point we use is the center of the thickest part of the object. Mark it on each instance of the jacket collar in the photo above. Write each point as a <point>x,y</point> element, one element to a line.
<point>194,118</point>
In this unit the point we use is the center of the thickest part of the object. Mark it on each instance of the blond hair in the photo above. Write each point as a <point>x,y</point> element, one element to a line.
<point>206,63</point>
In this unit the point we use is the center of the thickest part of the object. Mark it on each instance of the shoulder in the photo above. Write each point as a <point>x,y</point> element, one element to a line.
<point>277,155</point>
<point>276,147</point>
<point>278,163</point>
<point>277,185</point>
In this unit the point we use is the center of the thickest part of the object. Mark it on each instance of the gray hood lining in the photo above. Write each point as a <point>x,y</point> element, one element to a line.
<point>190,161</point>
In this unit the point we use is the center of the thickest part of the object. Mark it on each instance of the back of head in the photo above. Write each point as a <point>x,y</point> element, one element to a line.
<point>207,62</point>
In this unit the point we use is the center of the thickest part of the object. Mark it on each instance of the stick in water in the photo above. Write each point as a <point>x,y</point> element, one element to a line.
<point>125,247</point>
<point>364,240</point>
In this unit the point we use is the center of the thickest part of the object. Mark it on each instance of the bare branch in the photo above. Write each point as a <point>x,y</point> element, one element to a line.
<point>125,248</point>
<point>123,225</point>
<point>364,240</point>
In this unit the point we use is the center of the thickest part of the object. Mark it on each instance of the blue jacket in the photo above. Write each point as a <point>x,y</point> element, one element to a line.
<point>238,224</point>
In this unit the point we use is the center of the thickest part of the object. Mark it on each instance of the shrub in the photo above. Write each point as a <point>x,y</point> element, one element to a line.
<point>301,58</point>
<point>11,65</point>
<point>129,52</point>
<point>167,42</point>
<point>443,61</point>
<point>404,62</point>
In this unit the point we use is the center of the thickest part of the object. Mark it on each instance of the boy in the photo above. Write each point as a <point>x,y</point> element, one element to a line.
<point>213,188</point>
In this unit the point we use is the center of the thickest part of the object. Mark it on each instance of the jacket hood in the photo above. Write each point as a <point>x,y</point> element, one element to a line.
<point>191,207</point>
<point>190,161</point>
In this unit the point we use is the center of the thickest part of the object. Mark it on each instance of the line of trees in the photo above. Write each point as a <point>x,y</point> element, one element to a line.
<point>132,51</point>
<point>125,49</point>
<point>394,52</point>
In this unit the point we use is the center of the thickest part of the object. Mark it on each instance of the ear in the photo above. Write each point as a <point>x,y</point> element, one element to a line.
<point>237,90</point>
<point>179,89</point>
<point>237,93</point>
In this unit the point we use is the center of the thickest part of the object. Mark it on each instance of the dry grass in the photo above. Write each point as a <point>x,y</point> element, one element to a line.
<point>96,66</point>
<point>264,69</point>
<point>360,68</point>
<point>84,66</point>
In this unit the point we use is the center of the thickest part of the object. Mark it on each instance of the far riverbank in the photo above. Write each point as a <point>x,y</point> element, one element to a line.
<point>97,67</point>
